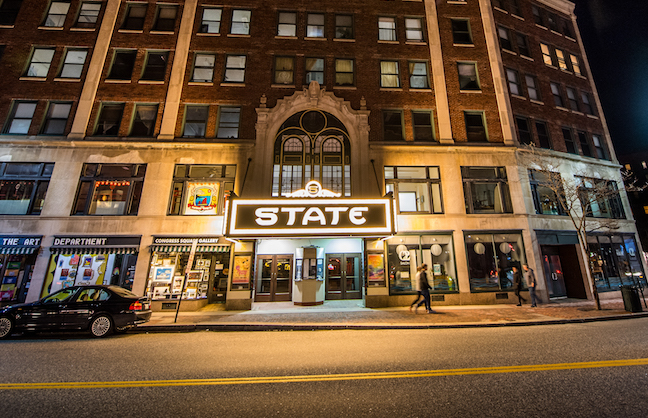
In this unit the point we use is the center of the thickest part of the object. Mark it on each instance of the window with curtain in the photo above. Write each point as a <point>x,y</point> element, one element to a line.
<point>389,74</point>
<point>344,72</point>
<point>144,120</point>
<point>315,70</point>
<point>284,70</point>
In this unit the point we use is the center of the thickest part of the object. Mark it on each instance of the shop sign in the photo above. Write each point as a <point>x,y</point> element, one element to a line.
<point>201,198</point>
<point>319,216</point>
<point>184,240</point>
<point>95,241</point>
<point>14,241</point>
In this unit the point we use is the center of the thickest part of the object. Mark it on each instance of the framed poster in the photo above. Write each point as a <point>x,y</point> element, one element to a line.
<point>201,198</point>
<point>376,268</point>
<point>195,276</point>
<point>163,273</point>
<point>241,274</point>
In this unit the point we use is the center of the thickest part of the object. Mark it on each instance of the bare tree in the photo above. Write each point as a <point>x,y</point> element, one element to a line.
<point>592,204</point>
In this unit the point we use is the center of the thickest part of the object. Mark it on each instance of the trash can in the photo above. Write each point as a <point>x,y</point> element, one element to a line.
<point>631,300</point>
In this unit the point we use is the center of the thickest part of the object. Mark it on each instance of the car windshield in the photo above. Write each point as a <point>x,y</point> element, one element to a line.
<point>60,296</point>
<point>123,292</point>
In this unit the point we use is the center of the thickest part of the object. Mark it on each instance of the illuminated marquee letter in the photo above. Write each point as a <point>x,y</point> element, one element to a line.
<point>292,212</point>
<point>314,215</point>
<point>336,214</point>
<point>266,216</point>
<point>355,215</point>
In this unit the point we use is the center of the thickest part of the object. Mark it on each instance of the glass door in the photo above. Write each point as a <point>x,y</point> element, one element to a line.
<point>343,276</point>
<point>274,278</point>
<point>553,273</point>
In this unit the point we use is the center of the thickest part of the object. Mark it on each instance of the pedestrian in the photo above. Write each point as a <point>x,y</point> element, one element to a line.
<point>417,287</point>
<point>424,288</point>
<point>531,282</point>
<point>517,284</point>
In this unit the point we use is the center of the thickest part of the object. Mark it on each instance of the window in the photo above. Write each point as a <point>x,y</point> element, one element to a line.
<point>344,74</point>
<point>9,11</point>
<point>475,126</point>
<point>287,25</point>
<point>195,123</point>
<point>109,189</point>
<point>569,141</point>
<point>228,122</point>
<point>416,189</point>
<point>575,64</point>
<point>144,120</point>
<point>386,29</point>
<point>584,144</point>
<point>532,87</point>
<point>419,75</point>
<point>40,62</point>
<point>56,118</point>
<point>240,22</point>
<point>23,187</point>
<point>21,117</point>
<point>203,71</point>
<point>486,190</point>
<point>566,26</point>
<point>557,95</point>
<point>508,5</point>
<point>56,14</point>
<point>315,70</point>
<point>88,15</point>
<point>122,66</point>
<point>235,69</point>
<point>538,15</point>
<point>73,63</point>
<point>599,146</point>
<point>546,55</point>
<point>135,14</point>
<point>315,25</point>
<point>461,34</point>
<point>155,67</point>
<point>553,21</point>
<point>513,82</point>
<point>573,101</point>
<point>617,261</point>
<point>505,38</point>
<point>491,258</point>
<point>211,20</point>
<point>600,198</point>
<point>523,45</point>
<point>543,189</point>
<point>523,130</point>
<point>587,104</point>
<point>344,27</point>
<point>284,68</point>
<point>468,79</point>
<point>165,19</point>
<point>201,189</point>
<point>110,117</point>
<point>422,123</point>
<point>562,64</point>
<point>543,134</point>
<point>389,74</point>
<point>392,125</point>
<point>414,29</point>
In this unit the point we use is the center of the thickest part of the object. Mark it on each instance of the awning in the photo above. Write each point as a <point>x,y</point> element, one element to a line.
<point>90,250</point>
<point>19,249</point>
<point>217,248</point>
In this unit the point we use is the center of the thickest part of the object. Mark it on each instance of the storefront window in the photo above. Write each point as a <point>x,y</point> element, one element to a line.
<point>200,189</point>
<point>417,189</point>
<point>23,187</point>
<point>406,253</point>
<point>16,272</point>
<point>491,257</point>
<point>486,190</point>
<point>614,262</point>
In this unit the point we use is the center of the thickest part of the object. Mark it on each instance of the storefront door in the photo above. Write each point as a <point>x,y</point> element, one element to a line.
<point>343,276</point>
<point>274,278</point>
<point>553,273</point>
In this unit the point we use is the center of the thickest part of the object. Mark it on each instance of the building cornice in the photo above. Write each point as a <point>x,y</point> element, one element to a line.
<point>564,6</point>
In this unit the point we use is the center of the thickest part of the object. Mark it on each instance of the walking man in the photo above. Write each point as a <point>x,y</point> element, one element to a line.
<point>530,278</point>
<point>517,285</point>
<point>424,288</point>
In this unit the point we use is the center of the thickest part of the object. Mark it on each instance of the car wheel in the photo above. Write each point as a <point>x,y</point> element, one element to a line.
<point>101,326</point>
<point>6,327</point>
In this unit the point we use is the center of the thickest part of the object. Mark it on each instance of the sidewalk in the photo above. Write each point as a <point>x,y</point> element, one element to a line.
<point>352,315</point>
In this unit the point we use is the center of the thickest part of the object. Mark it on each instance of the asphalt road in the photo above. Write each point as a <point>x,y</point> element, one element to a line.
<point>589,370</point>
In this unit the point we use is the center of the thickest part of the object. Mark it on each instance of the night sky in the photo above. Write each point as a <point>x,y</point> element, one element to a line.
<point>615,34</point>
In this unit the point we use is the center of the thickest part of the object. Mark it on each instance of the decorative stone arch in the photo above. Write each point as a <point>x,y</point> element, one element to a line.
<point>270,120</point>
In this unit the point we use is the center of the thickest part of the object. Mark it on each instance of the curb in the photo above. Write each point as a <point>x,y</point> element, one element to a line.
<point>328,327</point>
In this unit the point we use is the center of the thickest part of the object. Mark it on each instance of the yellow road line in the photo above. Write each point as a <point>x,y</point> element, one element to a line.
<point>325,377</point>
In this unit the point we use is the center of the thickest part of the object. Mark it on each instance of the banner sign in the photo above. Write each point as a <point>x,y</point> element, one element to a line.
<point>95,241</point>
<point>184,240</point>
<point>15,241</point>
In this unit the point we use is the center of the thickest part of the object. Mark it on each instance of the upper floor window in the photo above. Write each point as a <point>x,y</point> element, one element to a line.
<point>284,70</point>
<point>155,66</point>
<point>344,27</point>
<point>547,56</point>
<point>203,71</point>
<point>20,118</point>
<point>600,198</point>
<point>513,82</point>
<point>135,14</point>
<point>523,130</point>
<point>195,121</point>
<point>486,190</point>
<point>122,65</point>
<point>144,119</point>
<point>544,185</point>
<point>422,124</point>
<point>315,25</point>
<point>56,118</point>
<point>389,77</point>
<point>461,34</point>
<point>229,119</point>
<point>414,29</point>
<point>287,24</point>
<point>416,189</point>
<point>201,189</point>
<point>584,143</point>
<point>88,15</point>
<point>211,20</point>
<point>73,63</point>
<point>109,189</point>
<point>587,104</point>
<point>56,14</point>
<point>475,126</point>
<point>109,119</point>
<point>468,79</point>
<point>393,125</point>
<point>599,146</point>
<point>556,91</point>
<point>575,64</point>
<point>532,87</point>
<point>344,72</point>
<point>40,62</point>
<point>9,11</point>
<point>23,187</point>
<point>315,70</point>
<point>568,137</point>
<point>241,22</point>
<point>387,28</point>
<point>235,69</point>
<point>419,75</point>
<point>165,18</point>
<point>505,38</point>
<point>543,134</point>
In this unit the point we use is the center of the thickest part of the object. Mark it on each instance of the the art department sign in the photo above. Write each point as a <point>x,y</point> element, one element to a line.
<point>310,217</point>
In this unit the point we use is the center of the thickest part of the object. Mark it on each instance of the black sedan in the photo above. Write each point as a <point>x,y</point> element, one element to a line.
<point>99,309</point>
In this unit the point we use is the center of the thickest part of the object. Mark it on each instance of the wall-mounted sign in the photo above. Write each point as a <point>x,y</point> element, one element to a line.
<point>184,240</point>
<point>16,241</point>
<point>96,241</point>
<point>320,216</point>
<point>201,198</point>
